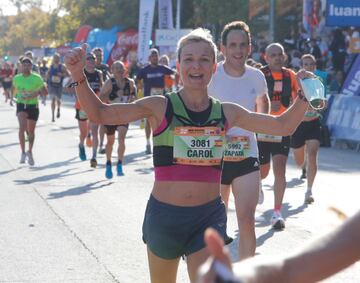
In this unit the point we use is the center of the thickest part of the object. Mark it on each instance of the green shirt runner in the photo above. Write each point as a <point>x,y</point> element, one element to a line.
<point>24,85</point>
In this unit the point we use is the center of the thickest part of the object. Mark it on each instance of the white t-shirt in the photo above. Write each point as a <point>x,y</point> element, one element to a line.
<point>241,90</point>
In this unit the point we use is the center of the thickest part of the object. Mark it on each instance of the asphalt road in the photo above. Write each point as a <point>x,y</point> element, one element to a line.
<point>62,221</point>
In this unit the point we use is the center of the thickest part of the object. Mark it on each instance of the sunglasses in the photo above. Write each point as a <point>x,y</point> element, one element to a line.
<point>90,58</point>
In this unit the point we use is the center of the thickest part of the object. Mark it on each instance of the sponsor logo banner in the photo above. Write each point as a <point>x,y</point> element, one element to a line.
<point>146,17</point>
<point>343,13</point>
<point>351,86</point>
<point>343,120</point>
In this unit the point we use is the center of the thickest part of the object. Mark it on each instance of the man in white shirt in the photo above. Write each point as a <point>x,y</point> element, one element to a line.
<point>234,81</point>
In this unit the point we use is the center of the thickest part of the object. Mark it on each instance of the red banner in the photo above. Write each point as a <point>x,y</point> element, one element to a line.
<point>125,48</point>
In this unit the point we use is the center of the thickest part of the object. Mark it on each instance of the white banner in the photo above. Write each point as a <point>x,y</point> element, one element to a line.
<point>165,14</point>
<point>169,37</point>
<point>146,17</point>
<point>178,14</point>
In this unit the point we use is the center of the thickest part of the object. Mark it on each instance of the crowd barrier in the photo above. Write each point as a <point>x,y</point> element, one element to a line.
<point>343,119</point>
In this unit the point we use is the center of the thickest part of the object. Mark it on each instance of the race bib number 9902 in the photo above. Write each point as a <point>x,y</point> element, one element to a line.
<point>198,146</point>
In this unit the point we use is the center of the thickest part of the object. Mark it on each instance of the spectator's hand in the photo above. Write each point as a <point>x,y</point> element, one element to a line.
<point>75,61</point>
<point>302,74</point>
<point>219,254</point>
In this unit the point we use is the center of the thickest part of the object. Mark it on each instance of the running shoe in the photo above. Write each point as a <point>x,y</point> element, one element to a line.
<point>102,150</point>
<point>23,158</point>
<point>58,113</point>
<point>108,171</point>
<point>309,199</point>
<point>30,158</point>
<point>303,174</point>
<point>261,195</point>
<point>82,153</point>
<point>148,149</point>
<point>119,170</point>
<point>228,239</point>
<point>89,141</point>
<point>277,222</point>
<point>93,163</point>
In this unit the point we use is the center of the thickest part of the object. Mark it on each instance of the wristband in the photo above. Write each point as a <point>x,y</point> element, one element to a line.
<point>301,95</point>
<point>74,84</point>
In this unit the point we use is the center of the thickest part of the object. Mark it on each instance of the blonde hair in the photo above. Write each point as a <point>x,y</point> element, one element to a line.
<point>197,35</point>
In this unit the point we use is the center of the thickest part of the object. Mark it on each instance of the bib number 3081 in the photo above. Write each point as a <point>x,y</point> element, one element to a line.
<point>198,146</point>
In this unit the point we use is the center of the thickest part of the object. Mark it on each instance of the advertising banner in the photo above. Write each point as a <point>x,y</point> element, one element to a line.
<point>344,118</point>
<point>343,13</point>
<point>165,14</point>
<point>125,47</point>
<point>169,37</point>
<point>351,86</point>
<point>104,39</point>
<point>146,16</point>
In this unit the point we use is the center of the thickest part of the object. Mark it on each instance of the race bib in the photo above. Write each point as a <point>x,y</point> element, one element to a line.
<point>268,138</point>
<point>198,146</point>
<point>55,79</point>
<point>82,114</point>
<point>237,148</point>
<point>156,91</point>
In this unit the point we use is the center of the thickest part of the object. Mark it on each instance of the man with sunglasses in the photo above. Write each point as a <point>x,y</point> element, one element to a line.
<point>27,87</point>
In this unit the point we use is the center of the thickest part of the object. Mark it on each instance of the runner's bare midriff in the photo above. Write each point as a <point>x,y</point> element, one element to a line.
<point>185,193</point>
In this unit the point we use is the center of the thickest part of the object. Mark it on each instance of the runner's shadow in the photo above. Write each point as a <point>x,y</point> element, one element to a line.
<point>46,178</point>
<point>80,190</point>
<point>294,182</point>
<point>9,144</point>
<point>60,128</point>
<point>9,171</point>
<point>5,132</point>
<point>144,171</point>
<point>287,212</point>
<point>136,157</point>
<point>55,164</point>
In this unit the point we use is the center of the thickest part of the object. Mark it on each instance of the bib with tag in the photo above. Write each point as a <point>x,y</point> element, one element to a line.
<point>198,146</point>
<point>181,141</point>
<point>55,79</point>
<point>268,138</point>
<point>237,148</point>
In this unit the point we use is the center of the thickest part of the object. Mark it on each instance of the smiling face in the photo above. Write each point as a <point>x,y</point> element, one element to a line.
<point>309,64</point>
<point>197,64</point>
<point>236,49</point>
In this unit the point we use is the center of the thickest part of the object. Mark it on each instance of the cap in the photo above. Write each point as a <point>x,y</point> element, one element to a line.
<point>26,59</point>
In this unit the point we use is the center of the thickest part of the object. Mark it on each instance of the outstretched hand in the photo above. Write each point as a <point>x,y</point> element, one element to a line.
<point>215,245</point>
<point>75,61</point>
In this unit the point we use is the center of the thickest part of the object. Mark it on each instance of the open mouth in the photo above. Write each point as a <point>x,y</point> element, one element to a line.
<point>196,76</point>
